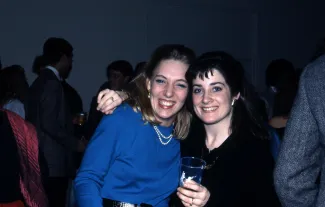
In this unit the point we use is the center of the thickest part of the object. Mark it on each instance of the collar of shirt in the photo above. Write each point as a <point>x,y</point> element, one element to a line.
<point>55,71</point>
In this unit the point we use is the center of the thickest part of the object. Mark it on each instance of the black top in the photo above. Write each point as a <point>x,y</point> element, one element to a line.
<point>280,132</point>
<point>73,99</point>
<point>9,162</point>
<point>94,115</point>
<point>240,170</point>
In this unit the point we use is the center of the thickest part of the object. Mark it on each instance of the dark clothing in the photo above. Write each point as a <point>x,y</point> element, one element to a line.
<point>19,154</point>
<point>9,160</point>
<point>56,189</point>
<point>46,108</point>
<point>239,172</point>
<point>72,98</point>
<point>301,159</point>
<point>94,115</point>
<point>280,132</point>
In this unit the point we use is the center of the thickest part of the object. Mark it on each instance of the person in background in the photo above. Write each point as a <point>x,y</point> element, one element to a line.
<point>299,174</point>
<point>134,156</point>
<point>72,97</point>
<point>139,68</point>
<point>119,73</point>
<point>282,79</point>
<point>20,175</point>
<point>47,110</point>
<point>13,89</point>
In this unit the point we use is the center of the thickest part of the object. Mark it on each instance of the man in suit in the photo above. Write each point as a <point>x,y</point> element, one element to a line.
<point>46,108</point>
<point>301,159</point>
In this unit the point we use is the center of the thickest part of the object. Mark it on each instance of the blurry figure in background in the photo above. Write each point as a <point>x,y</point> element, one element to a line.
<point>13,89</point>
<point>47,109</point>
<point>119,73</point>
<point>38,64</point>
<point>282,80</point>
<point>139,68</point>
<point>20,175</point>
<point>72,97</point>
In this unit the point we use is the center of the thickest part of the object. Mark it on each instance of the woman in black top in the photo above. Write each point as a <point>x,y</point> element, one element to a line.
<point>228,136</point>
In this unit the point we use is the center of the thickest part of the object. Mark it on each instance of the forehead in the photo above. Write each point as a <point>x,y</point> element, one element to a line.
<point>172,69</point>
<point>209,77</point>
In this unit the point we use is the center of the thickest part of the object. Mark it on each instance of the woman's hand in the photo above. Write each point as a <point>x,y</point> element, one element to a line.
<point>108,100</point>
<point>193,194</point>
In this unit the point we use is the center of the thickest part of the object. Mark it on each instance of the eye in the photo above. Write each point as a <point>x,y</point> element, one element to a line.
<point>159,81</point>
<point>181,85</point>
<point>216,89</point>
<point>197,90</point>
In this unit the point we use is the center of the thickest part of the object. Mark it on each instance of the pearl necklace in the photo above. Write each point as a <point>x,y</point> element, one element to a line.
<point>160,136</point>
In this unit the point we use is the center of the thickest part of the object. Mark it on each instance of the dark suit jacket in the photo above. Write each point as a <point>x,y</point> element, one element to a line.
<point>301,158</point>
<point>46,109</point>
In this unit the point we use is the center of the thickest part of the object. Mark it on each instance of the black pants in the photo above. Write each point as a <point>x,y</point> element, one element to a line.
<point>56,190</point>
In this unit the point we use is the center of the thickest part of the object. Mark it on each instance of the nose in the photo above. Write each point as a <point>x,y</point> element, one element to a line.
<point>206,98</point>
<point>169,90</point>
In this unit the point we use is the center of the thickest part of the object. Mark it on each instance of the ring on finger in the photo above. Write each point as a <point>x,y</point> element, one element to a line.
<point>192,202</point>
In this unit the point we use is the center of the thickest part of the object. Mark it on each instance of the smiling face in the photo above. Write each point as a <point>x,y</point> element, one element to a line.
<point>168,90</point>
<point>212,98</point>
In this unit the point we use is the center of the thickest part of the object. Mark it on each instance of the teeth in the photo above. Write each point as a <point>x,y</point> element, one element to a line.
<point>166,103</point>
<point>210,109</point>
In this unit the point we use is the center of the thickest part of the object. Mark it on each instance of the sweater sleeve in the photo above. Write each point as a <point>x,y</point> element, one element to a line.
<point>101,152</point>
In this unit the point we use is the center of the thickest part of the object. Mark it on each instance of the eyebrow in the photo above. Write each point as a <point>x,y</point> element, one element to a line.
<point>161,76</point>
<point>211,84</point>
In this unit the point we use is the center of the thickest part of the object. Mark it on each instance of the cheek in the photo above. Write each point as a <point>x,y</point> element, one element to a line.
<point>225,101</point>
<point>196,99</point>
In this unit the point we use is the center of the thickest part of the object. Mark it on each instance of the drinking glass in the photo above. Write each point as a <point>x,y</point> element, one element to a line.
<point>191,169</point>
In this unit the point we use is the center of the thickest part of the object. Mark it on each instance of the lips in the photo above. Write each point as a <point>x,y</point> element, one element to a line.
<point>209,109</point>
<point>165,104</point>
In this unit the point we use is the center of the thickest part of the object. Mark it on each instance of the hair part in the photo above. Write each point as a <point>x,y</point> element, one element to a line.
<point>138,92</point>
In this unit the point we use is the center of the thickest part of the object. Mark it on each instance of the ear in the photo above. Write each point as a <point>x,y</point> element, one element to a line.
<point>148,83</point>
<point>63,58</point>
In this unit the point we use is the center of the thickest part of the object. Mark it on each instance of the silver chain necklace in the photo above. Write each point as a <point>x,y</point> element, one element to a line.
<point>160,136</point>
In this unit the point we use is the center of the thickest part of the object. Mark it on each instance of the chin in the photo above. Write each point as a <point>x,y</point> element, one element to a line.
<point>210,121</point>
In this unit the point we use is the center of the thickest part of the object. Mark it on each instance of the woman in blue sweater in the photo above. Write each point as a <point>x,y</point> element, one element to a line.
<point>133,157</point>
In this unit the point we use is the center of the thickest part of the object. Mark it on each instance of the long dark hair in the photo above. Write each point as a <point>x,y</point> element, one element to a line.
<point>138,92</point>
<point>245,117</point>
<point>13,84</point>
